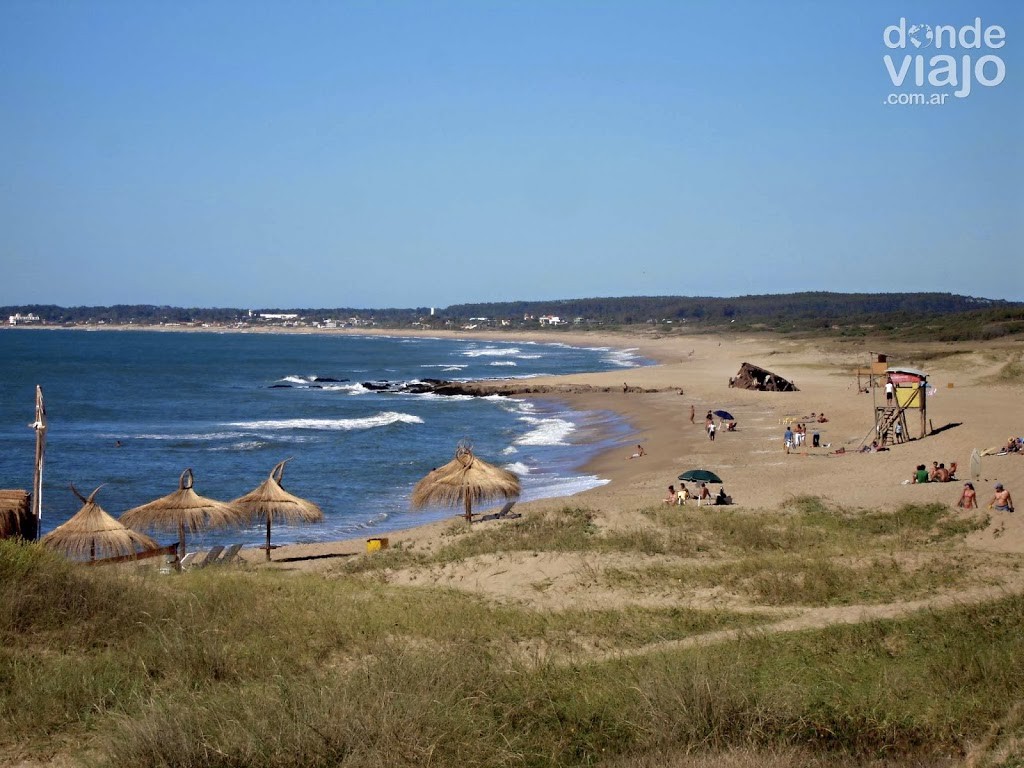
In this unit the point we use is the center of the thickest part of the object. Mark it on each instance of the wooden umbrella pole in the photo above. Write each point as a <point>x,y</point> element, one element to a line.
<point>469,505</point>
<point>181,540</point>
<point>39,425</point>
<point>269,516</point>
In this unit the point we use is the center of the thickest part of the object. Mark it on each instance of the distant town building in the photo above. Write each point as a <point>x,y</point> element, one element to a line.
<point>551,320</point>
<point>20,319</point>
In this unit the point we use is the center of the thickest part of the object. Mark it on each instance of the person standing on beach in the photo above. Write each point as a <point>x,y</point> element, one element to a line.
<point>693,412</point>
<point>1001,501</point>
<point>787,438</point>
<point>968,499</point>
<point>711,431</point>
<point>889,391</point>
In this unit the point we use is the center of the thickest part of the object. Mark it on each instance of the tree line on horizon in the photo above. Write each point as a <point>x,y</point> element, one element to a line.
<point>958,317</point>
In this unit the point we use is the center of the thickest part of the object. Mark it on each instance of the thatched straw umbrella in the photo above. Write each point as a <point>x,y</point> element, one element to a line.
<point>270,501</point>
<point>463,480</point>
<point>92,532</point>
<point>15,514</point>
<point>183,509</point>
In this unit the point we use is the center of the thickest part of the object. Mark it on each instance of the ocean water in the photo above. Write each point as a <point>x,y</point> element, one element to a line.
<point>130,410</point>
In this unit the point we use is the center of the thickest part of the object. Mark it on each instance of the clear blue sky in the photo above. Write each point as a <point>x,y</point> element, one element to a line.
<point>382,154</point>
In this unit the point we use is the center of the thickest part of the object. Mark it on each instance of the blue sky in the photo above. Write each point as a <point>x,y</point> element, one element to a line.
<point>409,154</point>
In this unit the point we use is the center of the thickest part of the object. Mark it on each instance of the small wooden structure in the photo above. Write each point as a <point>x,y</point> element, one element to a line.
<point>873,375</point>
<point>754,377</point>
<point>16,518</point>
<point>910,389</point>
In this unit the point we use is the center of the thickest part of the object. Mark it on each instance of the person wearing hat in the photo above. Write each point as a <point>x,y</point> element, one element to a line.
<point>1001,500</point>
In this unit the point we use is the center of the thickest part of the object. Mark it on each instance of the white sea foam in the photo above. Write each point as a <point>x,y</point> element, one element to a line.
<point>190,436</point>
<point>623,358</point>
<point>504,362</point>
<point>295,379</point>
<point>244,445</point>
<point>382,419</point>
<point>550,431</point>
<point>355,389</point>
<point>509,451</point>
<point>492,352</point>
<point>518,467</point>
<point>547,488</point>
<point>431,396</point>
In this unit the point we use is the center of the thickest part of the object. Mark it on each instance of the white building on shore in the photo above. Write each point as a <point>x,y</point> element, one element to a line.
<point>20,319</point>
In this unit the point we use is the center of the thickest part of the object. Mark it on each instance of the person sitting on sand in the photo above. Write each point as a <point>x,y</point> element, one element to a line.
<point>969,498</point>
<point>723,498</point>
<point>682,495</point>
<point>703,494</point>
<point>670,498</point>
<point>732,426</point>
<point>822,419</point>
<point>933,473</point>
<point>920,474</point>
<point>1001,500</point>
<point>941,474</point>
<point>639,452</point>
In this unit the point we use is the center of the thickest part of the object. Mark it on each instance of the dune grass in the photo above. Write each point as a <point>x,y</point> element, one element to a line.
<point>261,668</point>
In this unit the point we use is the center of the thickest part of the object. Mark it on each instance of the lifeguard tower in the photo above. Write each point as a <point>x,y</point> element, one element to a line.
<point>872,376</point>
<point>909,395</point>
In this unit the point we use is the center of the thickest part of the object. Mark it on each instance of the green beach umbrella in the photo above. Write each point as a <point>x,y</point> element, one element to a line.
<point>700,476</point>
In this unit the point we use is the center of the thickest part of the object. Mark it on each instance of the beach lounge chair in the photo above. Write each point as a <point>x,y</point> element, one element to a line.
<point>230,554</point>
<point>211,557</point>
<point>186,561</point>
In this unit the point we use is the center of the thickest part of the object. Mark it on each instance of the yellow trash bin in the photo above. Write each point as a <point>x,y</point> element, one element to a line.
<point>375,544</point>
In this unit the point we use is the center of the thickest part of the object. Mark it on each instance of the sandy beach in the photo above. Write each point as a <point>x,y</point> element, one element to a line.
<point>971,408</point>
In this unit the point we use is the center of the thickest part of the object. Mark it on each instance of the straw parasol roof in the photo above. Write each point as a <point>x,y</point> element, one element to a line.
<point>183,510</point>
<point>270,501</point>
<point>14,513</point>
<point>93,532</point>
<point>464,480</point>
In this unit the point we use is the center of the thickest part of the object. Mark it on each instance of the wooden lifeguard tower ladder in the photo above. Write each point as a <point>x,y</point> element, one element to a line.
<point>910,388</point>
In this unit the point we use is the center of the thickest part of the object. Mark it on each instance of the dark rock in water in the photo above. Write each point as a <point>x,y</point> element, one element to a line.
<point>327,380</point>
<point>422,386</point>
<point>418,387</point>
<point>315,386</point>
<point>280,386</point>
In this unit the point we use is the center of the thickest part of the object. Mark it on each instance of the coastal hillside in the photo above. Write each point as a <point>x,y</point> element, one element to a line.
<point>939,316</point>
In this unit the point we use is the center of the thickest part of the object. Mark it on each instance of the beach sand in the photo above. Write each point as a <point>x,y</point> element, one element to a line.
<point>972,407</point>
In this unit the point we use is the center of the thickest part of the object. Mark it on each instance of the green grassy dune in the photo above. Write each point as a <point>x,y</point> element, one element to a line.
<point>237,667</point>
